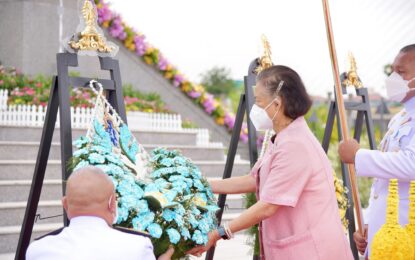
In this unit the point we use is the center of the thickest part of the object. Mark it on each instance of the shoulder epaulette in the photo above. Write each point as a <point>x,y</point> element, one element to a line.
<point>132,231</point>
<point>53,233</point>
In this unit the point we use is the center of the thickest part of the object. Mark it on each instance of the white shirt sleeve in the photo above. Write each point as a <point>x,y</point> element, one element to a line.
<point>387,165</point>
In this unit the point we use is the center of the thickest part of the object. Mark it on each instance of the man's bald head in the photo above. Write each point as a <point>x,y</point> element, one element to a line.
<point>90,192</point>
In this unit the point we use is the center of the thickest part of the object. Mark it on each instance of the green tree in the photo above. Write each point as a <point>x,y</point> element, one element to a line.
<point>218,81</point>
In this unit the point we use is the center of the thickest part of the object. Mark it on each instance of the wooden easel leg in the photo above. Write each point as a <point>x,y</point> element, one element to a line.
<point>39,173</point>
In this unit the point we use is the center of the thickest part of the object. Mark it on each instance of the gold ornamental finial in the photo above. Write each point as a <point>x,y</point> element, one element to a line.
<point>90,39</point>
<point>352,78</point>
<point>265,61</point>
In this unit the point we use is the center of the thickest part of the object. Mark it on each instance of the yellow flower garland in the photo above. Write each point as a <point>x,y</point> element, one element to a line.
<point>392,241</point>
<point>410,228</point>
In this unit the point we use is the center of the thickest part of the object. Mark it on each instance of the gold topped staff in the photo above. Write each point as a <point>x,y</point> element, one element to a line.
<point>342,112</point>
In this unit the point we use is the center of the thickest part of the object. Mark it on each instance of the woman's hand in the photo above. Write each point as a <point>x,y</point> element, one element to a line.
<point>167,255</point>
<point>213,238</point>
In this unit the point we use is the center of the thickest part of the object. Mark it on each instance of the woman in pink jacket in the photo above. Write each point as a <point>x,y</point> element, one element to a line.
<point>296,209</point>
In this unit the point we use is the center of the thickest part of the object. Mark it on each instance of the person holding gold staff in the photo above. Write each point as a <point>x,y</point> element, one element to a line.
<point>396,158</point>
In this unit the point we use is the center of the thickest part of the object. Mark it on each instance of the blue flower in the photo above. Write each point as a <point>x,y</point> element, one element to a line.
<point>81,141</point>
<point>180,186</point>
<point>122,214</point>
<point>137,191</point>
<point>170,195</point>
<point>196,173</point>
<point>199,238</point>
<point>192,220</point>
<point>179,160</point>
<point>161,183</point>
<point>167,162</point>
<point>151,187</point>
<point>96,158</point>
<point>180,209</point>
<point>174,235</point>
<point>185,233</point>
<point>129,201</point>
<point>81,152</point>
<point>209,193</point>
<point>195,211</point>
<point>183,170</point>
<point>125,188</point>
<point>168,215</point>
<point>142,207</point>
<point>179,220</point>
<point>101,137</point>
<point>115,170</point>
<point>198,185</point>
<point>175,178</point>
<point>81,164</point>
<point>128,143</point>
<point>99,149</point>
<point>155,230</point>
<point>113,159</point>
<point>212,208</point>
<point>203,226</point>
<point>142,221</point>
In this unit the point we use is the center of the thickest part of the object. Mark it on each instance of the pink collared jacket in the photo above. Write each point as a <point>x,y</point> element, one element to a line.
<point>296,174</point>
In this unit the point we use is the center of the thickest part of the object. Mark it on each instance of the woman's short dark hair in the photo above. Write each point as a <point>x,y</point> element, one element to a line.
<point>294,96</point>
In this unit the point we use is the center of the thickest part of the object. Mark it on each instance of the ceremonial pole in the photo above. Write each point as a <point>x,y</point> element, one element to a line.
<point>342,112</point>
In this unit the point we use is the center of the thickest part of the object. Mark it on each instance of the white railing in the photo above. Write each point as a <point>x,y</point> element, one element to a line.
<point>34,116</point>
<point>153,121</point>
<point>3,99</point>
<point>24,115</point>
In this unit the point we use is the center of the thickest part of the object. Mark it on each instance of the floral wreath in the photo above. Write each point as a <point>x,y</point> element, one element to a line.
<point>162,193</point>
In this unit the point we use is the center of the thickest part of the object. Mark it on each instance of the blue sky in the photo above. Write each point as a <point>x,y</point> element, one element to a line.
<point>196,35</point>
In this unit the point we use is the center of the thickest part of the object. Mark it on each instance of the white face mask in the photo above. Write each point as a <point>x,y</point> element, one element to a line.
<point>114,221</point>
<point>397,87</point>
<point>260,118</point>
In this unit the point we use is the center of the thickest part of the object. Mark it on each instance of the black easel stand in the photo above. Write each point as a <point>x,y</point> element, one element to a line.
<point>246,102</point>
<point>363,112</point>
<point>59,98</point>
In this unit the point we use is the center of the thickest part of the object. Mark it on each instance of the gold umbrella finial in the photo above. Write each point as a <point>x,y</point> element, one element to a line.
<point>352,79</point>
<point>90,39</point>
<point>265,61</point>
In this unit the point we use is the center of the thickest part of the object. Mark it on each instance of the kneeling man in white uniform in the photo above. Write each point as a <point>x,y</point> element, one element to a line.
<point>91,206</point>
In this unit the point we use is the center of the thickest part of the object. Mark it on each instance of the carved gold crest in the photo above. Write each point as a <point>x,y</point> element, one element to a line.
<point>352,79</point>
<point>265,60</point>
<point>90,39</point>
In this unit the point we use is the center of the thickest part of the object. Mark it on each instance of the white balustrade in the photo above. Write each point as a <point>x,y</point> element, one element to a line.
<point>26,115</point>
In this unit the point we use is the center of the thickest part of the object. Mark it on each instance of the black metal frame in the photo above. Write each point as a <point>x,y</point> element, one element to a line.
<point>363,112</point>
<point>246,102</point>
<point>59,98</point>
